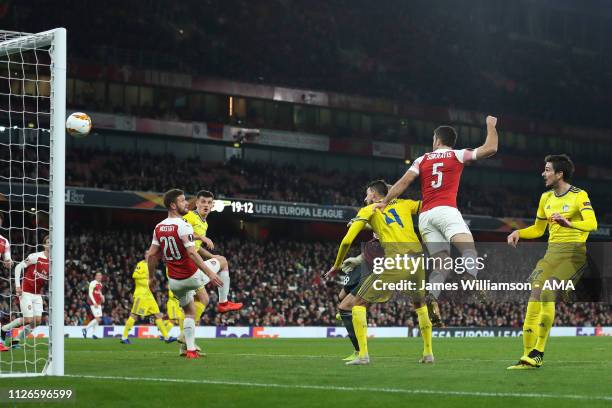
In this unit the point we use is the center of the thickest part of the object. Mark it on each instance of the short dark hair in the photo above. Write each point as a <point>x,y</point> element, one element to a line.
<point>447,135</point>
<point>46,237</point>
<point>170,196</point>
<point>205,193</point>
<point>561,163</point>
<point>380,186</point>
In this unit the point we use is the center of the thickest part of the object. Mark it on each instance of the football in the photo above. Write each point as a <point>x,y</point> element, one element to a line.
<point>78,124</point>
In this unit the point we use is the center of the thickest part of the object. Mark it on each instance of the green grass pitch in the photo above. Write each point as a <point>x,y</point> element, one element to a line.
<point>308,373</point>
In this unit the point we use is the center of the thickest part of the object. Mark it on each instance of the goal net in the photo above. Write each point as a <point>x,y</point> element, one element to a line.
<point>32,153</point>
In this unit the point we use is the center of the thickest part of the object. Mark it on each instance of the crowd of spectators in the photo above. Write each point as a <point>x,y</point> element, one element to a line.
<point>278,282</point>
<point>267,181</point>
<point>282,182</point>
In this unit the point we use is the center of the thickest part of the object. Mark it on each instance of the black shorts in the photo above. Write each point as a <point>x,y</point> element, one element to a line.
<point>356,277</point>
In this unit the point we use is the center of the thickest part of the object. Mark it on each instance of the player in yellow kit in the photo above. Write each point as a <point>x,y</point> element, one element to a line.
<point>567,212</point>
<point>144,303</point>
<point>395,231</point>
<point>197,219</point>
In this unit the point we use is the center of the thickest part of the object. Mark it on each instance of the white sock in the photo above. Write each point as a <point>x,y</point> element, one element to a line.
<point>224,290</point>
<point>26,330</point>
<point>15,323</point>
<point>436,277</point>
<point>92,325</point>
<point>472,255</point>
<point>189,333</point>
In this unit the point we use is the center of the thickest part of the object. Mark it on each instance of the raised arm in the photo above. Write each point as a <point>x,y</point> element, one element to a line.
<point>489,147</point>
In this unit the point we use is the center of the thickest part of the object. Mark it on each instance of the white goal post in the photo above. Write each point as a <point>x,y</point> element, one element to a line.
<point>33,70</point>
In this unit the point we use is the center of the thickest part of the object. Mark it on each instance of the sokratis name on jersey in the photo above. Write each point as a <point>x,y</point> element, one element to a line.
<point>439,155</point>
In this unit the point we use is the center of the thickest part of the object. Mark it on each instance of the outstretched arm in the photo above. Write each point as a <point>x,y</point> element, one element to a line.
<point>345,245</point>
<point>398,188</point>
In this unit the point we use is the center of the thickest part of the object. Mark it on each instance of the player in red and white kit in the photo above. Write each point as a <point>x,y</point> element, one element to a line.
<point>440,222</point>
<point>5,250</point>
<point>173,242</point>
<point>7,262</point>
<point>29,288</point>
<point>95,298</point>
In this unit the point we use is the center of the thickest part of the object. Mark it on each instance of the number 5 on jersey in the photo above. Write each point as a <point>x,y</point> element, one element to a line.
<point>435,172</point>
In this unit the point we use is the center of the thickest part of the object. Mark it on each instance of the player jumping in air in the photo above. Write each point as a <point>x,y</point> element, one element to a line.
<point>175,313</point>
<point>567,212</point>
<point>396,234</point>
<point>95,299</point>
<point>173,241</point>
<point>30,291</point>
<point>145,304</point>
<point>440,222</point>
<point>197,219</point>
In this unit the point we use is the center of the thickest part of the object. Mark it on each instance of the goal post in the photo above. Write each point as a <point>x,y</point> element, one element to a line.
<point>32,135</point>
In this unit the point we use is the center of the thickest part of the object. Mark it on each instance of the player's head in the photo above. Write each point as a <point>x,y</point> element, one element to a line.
<point>204,202</point>
<point>46,242</point>
<point>444,136</point>
<point>98,276</point>
<point>557,168</point>
<point>174,200</point>
<point>375,191</point>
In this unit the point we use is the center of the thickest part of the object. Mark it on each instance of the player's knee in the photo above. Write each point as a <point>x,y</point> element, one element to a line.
<point>536,291</point>
<point>222,262</point>
<point>347,303</point>
<point>359,301</point>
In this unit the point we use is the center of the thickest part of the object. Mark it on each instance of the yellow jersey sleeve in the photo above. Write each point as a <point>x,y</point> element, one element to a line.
<point>588,222</point>
<point>583,201</point>
<point>363,216</point>
<point>541,222</point>
<point>541,214</point>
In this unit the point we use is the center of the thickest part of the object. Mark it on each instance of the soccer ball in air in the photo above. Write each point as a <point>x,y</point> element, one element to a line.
<point>78,124</point>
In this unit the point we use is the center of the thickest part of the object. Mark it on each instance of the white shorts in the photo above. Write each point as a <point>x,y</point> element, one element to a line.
<point>31,305</point>
<point>184,289</point>
<point>96,310</point>
<point>438,225</point>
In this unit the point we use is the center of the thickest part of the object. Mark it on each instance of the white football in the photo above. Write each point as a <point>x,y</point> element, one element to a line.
<point>78,124</point>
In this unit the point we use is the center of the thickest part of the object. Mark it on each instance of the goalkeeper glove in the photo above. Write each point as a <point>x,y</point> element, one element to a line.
<point>351,263</point>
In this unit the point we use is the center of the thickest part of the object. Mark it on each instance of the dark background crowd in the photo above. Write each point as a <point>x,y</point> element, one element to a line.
<point>545,59</point>
<point>266,181</point>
